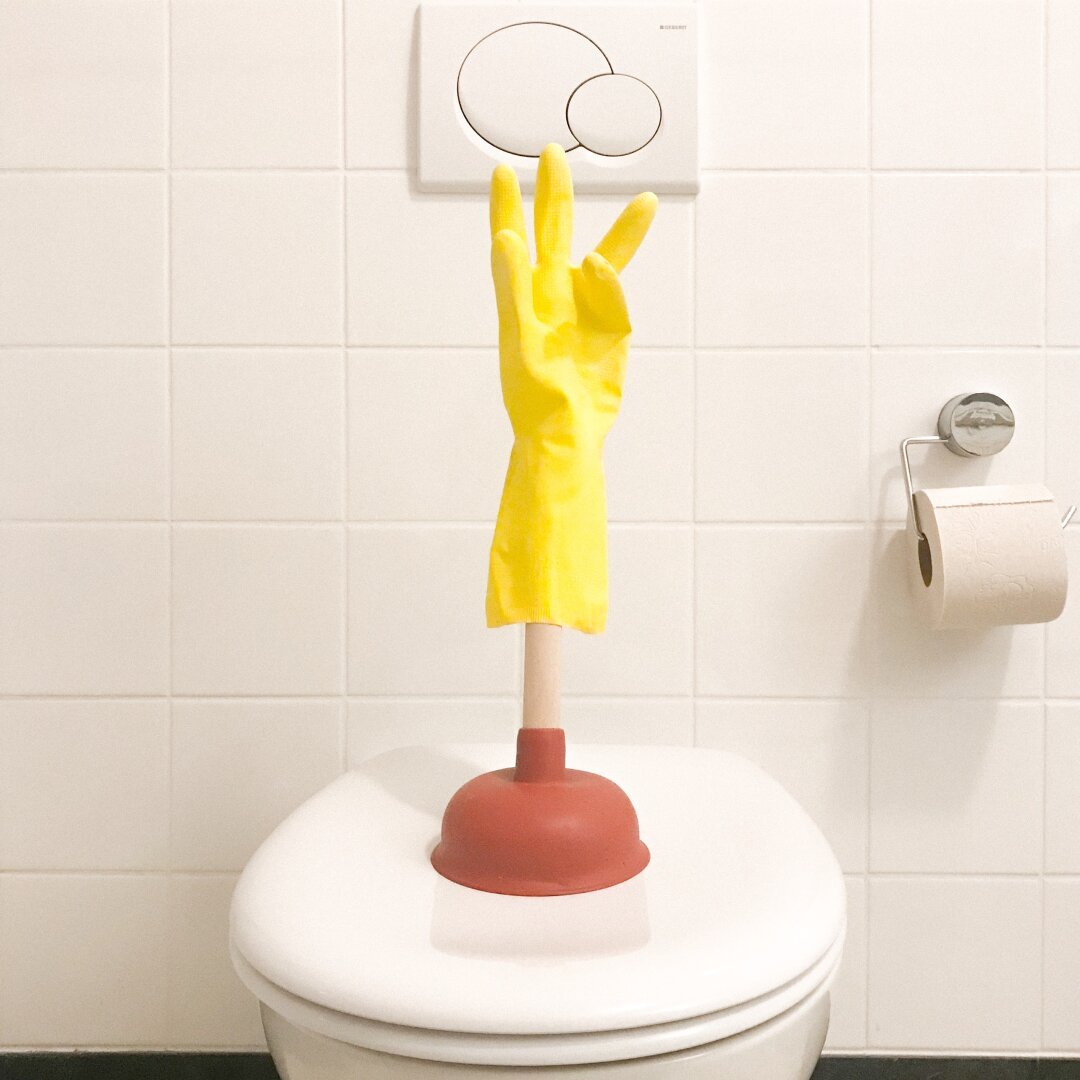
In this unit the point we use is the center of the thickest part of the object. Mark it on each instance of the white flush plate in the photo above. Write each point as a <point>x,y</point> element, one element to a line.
<point>615,84</point>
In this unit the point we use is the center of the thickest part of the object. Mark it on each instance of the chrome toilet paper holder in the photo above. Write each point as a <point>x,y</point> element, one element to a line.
<point>970,425</point>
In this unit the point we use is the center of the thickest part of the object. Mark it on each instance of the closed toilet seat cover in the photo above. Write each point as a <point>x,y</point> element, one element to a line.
<point>340,906</point>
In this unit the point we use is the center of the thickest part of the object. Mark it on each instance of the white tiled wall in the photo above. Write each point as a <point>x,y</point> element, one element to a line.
<point>252,443</point>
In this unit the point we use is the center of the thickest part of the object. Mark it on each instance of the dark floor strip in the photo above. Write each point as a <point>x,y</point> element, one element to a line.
<point>191,1066</point>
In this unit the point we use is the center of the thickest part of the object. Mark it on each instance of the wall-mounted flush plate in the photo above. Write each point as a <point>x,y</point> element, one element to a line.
<point>614,84</point>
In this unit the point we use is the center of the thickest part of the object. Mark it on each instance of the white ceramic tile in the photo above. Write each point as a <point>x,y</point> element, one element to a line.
<point>782,260</point>
<point>239,768</point>
<point>956,787</point>
<point>381,58</point>
<point>782,436</point>
<point>816,749</point>
<point>647,645</point>
<point>82,258</point>
<point>1062,437</point>
<point>407,288</point>
<point>84,785</point>
<point>955,963</point>
<point>631,721</point>
<point>958,260</point>
<point>1063,635</point>
<point>257,610</point>
<point>87,954</point>
<point>256,82</point>
<point>958,85</point>
<point>416,614</point>
<point>428,435</point>
<point>207,1004</point>
<point>1062,84</point>
<point>1063,259</point>
<point>257,258</point>
<point>257,434</point>
<point>908,391</point>
<point>82,83</point>
<point>1061,957</point>
<point>785,83</point>
<point>649,453</point>
<point>847,1020</point>
<point>1062,785</point>
<point>376,726</point>
<point>782,612</point>
<point>84,434</point>
<point>913,661</point>
<point>84,609</point>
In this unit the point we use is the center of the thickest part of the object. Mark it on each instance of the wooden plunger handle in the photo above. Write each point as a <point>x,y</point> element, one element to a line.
<point>540,701</point>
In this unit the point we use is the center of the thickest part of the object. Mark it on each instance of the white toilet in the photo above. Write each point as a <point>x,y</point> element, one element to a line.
<point>714,963</point>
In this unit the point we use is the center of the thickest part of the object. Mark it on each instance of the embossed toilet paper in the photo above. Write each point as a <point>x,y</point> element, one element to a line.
<point>993,556</point>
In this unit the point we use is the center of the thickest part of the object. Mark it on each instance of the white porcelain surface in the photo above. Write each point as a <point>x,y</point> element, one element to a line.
<point>84,609</point>
<point>257,258</point>
<point>1062,84</point>
<point>784,1048</point>
<point>82,84</point>
<point>763,908</point>
<point>956,786</point>
<point>1061,955</point>
<point>786,84</point>
<point>82,258</point>
<point>782,260</point>
<point>207,1003</point>
<point>1063,260</point>
<point>257,609</point>
<point>753,407</point>
<point>957,260</point>
<point>847,1019</point>
<point>817,749</point>
<point>1062,784</point>
<point>256,82</point>
<point>58,813</point>
<point>908,391</point>
<point>647,644</point>
<point>83,434</point>
<point>257,434</point>
<point>937,942</point>
<point>108,934</point>
<point>425,587</point>
<point>781,611</point>
<point>240,767</point>
<point>958,85</point>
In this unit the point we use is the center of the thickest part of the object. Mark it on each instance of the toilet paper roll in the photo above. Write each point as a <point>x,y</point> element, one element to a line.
<point>992,556</point>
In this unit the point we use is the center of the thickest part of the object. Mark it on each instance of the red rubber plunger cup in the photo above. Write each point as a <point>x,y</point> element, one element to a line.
<point>540,829</point>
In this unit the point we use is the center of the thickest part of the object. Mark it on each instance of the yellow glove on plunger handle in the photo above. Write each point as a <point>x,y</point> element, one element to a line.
<point>564,335</point>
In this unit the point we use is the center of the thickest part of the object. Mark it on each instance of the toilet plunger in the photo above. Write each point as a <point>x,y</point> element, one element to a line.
<point>541,829</point>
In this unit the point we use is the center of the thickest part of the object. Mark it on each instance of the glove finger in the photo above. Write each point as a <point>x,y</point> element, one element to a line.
<point>603,294</point>
<point>553,208</point>
<point>624,237</point>
<point>504,208</point>
<point>512,274</point>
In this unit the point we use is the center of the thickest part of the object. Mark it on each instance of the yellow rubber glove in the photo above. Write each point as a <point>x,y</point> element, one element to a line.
<point>563,338</point>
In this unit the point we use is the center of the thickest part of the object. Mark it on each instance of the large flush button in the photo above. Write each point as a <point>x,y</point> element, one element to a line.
<point>613,115</point>
<point>514,84</point>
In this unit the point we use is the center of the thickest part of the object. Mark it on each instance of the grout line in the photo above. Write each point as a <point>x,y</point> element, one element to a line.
<point>875,625</point>
<point>345,418</point>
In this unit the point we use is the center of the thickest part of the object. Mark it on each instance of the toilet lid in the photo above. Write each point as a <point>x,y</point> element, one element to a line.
<point>340,906</point>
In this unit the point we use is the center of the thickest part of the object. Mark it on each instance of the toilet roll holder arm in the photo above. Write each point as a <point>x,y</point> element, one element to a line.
<point>970,425</point>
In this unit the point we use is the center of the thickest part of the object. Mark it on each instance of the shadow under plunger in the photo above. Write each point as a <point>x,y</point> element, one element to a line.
<point>540,829</point>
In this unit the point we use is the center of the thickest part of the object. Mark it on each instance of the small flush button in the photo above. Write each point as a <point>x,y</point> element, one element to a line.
<point>613,115</point>
<point>514,84</point>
